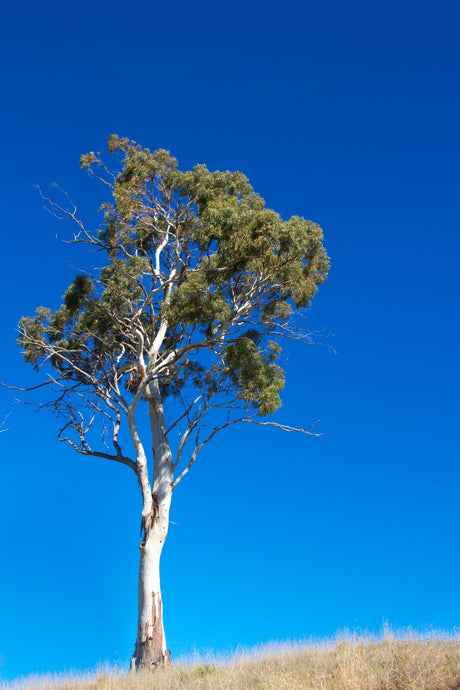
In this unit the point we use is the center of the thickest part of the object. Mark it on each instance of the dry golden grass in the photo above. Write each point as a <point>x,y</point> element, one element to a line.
<point>352,663</point>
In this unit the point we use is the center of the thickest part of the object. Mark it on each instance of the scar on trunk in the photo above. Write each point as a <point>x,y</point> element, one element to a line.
<point>156,610</point>
<point>153,636</point>
<point>155,507</point>
<point>147,522</point>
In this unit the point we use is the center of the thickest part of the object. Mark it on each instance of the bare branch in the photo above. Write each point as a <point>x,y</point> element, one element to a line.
<point>77,423</point>
<point>2,423</point>
<point>116,458</point>
<point>32,388</point>
<point>184,414</point>
<point>62,213</point>
<point>250,420</point>
<point>284,427</point>
<point>98,160</point>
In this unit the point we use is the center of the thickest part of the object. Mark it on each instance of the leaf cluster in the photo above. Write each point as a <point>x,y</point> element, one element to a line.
<point>197,254</point>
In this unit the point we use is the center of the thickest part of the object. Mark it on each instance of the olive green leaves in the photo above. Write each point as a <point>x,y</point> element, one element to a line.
<point>197,279</point>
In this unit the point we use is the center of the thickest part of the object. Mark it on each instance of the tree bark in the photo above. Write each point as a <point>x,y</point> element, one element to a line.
<point>150,650</point>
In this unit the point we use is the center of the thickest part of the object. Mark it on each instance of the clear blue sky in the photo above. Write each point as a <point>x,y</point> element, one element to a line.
<point>345,113</point>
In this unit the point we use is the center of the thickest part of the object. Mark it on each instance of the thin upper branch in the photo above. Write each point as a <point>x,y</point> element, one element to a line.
<point>61,212</point>
<point>32,388</point>
<point>250,420</point>
<point>2,423</point>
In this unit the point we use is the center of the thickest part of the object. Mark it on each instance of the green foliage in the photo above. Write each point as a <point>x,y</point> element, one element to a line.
<point>196,301</point>
<point>33,340</point>
<point>198,252</point>
<point>87,159</point>
<point>255,376</point>
<point>75,295</point>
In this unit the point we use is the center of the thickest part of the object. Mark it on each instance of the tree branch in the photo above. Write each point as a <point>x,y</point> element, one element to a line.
<point>86,451</point>
<point>2,423</point>
<point>32,388</point>
<point>250,420</point>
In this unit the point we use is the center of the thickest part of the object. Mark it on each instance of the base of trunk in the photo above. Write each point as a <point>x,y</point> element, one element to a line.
<point>147,656</point>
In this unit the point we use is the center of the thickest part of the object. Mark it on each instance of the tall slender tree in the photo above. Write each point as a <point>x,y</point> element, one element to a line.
<point>198,286</point>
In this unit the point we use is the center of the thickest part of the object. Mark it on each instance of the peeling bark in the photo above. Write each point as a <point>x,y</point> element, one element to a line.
<point>150,650</point>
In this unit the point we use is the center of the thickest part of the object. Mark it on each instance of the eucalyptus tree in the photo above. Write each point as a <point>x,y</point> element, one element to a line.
<point>198,284</point>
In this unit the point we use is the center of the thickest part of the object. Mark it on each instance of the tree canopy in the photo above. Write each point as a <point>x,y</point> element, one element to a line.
<point>199,283</point>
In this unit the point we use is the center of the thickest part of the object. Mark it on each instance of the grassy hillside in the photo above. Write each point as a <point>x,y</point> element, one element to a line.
<point>355,663</point>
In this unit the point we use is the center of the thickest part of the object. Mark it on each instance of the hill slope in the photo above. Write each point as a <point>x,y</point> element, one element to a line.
<point>352,664</point>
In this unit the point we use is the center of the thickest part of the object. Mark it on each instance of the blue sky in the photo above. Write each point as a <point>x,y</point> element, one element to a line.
<point>347,114</point>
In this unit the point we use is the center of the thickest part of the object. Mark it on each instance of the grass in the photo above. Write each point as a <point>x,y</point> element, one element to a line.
<point>350,662</point>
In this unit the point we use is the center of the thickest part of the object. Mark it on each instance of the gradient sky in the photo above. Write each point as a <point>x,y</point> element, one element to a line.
<point>345,113</point>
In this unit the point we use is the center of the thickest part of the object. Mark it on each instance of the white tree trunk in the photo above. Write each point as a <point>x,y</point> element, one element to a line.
<point>150,650</point>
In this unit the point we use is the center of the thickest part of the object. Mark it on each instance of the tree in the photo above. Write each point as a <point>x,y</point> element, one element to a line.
<point>198,285</point>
